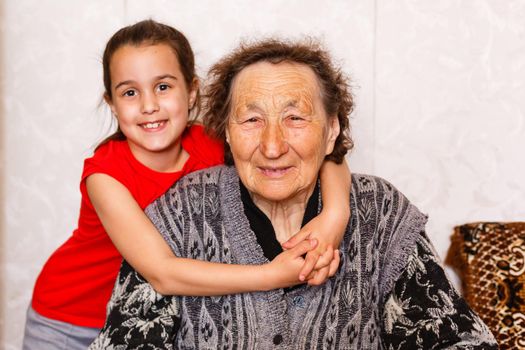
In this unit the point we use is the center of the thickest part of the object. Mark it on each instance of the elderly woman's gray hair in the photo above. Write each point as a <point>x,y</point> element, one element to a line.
<point>336,96</point>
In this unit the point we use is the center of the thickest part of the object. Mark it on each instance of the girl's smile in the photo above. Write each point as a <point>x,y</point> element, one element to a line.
<point>154,126</point>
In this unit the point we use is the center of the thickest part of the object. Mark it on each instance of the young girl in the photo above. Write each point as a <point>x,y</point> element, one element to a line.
<point>151,86</point>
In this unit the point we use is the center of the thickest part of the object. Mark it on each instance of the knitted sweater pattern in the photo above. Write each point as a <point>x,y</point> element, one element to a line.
<point>202,217</point>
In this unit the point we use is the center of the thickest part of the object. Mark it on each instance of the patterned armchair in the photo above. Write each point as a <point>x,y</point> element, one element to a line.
<point>490,260</point>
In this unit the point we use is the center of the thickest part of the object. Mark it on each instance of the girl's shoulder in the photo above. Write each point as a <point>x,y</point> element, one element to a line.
<point>111,158</point>
<point>112,148</point>
<point>196,133</point>
<point>199,144</point>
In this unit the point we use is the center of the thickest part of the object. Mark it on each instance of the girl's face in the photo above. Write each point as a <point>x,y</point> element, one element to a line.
<point>150,99</point>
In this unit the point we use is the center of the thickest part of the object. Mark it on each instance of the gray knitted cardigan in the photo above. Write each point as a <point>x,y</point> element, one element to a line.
<point>387,265</point>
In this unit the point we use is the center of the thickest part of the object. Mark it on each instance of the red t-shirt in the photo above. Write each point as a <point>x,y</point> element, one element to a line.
<point>76,282</point>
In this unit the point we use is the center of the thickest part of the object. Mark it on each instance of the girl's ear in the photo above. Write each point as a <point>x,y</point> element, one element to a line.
<point>110,104</point>
<point>194,89</point>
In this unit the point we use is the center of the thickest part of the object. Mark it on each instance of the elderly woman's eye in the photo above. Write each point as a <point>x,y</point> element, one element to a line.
<point>251,120</point>
<point>295,119</point>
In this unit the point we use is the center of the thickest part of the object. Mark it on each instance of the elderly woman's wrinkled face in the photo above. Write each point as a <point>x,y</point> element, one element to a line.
<point>278,130</point>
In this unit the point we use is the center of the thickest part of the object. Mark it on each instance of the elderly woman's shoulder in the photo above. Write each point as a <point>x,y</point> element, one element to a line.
<point>371,190</point>
<point>202,177</point>
<point>194,185</point>
<point>365,183</point>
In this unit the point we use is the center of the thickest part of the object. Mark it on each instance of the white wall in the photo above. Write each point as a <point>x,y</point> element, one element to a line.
<point>439,85</point>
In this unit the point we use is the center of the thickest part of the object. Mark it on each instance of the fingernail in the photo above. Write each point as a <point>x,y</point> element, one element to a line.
<point>301,278</point>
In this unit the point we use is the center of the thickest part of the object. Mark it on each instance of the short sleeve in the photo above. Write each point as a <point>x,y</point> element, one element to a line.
<point>106,160</point>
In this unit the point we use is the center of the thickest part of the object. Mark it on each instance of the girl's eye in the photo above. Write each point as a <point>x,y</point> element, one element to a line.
<point>163,87</point>
<point>129,93</point>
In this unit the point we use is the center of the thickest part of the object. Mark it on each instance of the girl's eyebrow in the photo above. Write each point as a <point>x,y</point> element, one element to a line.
<point>125,82</point>
<point>165,76</point>
<point>158,77</point>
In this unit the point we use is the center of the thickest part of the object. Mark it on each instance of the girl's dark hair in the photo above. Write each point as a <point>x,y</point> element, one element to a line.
<point>148,32</point>
<point>335,89</point>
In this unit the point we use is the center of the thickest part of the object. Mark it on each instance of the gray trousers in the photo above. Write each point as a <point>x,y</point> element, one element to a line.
<point>42,333</point>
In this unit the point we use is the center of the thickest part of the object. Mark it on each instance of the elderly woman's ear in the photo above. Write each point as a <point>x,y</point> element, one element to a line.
<point>333,131</point>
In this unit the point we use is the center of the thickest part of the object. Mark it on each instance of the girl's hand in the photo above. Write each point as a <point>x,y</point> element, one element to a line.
<point>319,276</point>
<point>283,270</point>
<point>328,229</point>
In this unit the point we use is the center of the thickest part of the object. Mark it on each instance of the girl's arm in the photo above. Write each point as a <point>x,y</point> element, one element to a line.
<point>143,247</point>
<point>329,226</point>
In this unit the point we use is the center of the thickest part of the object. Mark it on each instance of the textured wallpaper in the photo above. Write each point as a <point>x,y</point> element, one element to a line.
<point>450,108</point>
<point>439,88</point>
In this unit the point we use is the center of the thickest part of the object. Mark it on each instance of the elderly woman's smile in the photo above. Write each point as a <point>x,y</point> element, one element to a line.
<point>278,130</point>
<point>275,172</point>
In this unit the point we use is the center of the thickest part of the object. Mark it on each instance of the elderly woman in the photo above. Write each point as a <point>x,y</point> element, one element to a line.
<point>282,108</point>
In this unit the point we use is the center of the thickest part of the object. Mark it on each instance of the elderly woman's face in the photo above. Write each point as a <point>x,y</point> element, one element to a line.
<point>278,130</point>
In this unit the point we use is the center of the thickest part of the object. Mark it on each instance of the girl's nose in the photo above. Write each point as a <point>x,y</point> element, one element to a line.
<point>149,103</point>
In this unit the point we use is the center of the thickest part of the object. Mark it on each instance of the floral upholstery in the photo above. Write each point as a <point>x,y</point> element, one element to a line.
<point>490,259</point>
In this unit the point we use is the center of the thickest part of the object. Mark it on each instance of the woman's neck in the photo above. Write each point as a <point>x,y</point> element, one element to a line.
<point>286,216</point>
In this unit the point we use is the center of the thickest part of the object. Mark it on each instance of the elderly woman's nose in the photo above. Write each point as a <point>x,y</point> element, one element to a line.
<point>273,141</point>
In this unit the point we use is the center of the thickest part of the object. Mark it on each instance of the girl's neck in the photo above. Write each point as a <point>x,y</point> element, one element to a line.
<point>286,216</point>
<point>166,161</point>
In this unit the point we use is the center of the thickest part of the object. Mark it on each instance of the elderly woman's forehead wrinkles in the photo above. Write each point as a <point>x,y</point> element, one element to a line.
<point>260,102</point>
<point>291,84</point>
<point>247,100</point>
<point>285,96</point>
<point>300,99</point>
<point>275,89</point>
